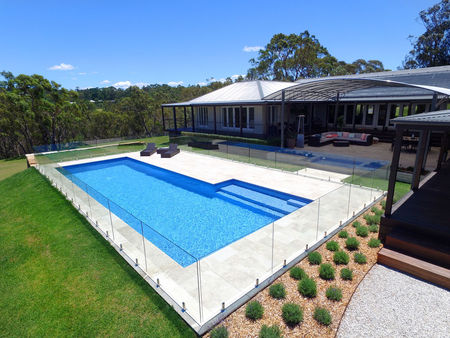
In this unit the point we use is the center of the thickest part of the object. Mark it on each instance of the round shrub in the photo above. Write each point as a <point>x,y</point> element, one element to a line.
<point>377,211</point>
<point>254,310</point>
<point>352,243</point>
<point>269,332</point>
<point>315,258</point>
<point>307,287</point>
<point>346,274</point>
<point>356,224</point>
<point>326,271</point>
<point>362,231</point>
<point>373,228</point>
<point>341,257</point>
<point>292,314</point>
<point>374,243</point>
<point>333,246</point>
<point>322,316</point>
<point>372,219</point>
<point>277,291</point>
<point>343,234</point>
<point>219,332</point>
<point>297,273</point>
<point>360,258</point>
<point>334,293</point>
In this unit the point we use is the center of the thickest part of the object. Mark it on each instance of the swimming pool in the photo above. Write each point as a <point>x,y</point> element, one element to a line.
<point>186,218</point>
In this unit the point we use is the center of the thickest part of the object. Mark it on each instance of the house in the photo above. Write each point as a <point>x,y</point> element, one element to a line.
<point>362,102</point>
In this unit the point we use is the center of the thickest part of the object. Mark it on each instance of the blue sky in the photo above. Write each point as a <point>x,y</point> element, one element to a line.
<point>100,43</point>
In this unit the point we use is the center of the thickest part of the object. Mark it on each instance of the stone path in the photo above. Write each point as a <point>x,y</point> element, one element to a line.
<point>389,303</point>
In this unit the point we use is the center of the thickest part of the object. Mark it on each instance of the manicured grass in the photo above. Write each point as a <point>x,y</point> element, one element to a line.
<point>10,167</point>
<point>401,188</point>
<point>104,150</point>
<point>59,277</point>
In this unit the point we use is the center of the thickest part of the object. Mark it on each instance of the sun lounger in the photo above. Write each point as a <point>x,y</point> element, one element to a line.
<point>150,150</point>
<point>171,151</point>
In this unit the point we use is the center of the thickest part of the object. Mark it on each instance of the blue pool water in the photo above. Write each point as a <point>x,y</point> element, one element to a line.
<point>186,218</point>
<point>316,157</point>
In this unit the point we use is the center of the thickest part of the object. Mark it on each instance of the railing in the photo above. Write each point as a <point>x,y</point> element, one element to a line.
<point>203,287</point>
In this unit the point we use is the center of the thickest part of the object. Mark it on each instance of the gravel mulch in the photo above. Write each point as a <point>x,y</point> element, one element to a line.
<point>239,326</point>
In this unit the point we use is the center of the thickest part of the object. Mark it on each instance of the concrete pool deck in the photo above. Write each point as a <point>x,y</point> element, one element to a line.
<point>228,274</point>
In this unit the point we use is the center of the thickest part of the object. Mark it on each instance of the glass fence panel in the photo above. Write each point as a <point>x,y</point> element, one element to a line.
<point>333,209</point>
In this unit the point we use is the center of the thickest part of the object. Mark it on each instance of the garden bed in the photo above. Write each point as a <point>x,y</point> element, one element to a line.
<point>238,325</point>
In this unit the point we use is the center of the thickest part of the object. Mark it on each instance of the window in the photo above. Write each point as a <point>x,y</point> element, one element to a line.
<point>237,121</point>
<point>405,111</point>
<point>224,117</point>
<point>244,117</point>
<point>203,116</point>
<point>331,113</point>
<point>369,114</point>
<point>230,117</point>
<point>274,115</point>
<point>251,118</point>
<point>349,115</point>
<point>340,115</point>
<point>394,112</point>
<point>420,108</point>
<point>359,114</point>
<point>382,111</point>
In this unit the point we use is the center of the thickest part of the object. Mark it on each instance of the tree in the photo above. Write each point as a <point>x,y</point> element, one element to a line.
<point>292,57</point>
<point>289,58</point>
<point>432,48</point>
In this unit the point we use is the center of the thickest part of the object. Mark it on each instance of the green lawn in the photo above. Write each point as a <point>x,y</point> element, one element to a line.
<point>11,166</point>
<point>401,188</point>
<point>59,277</point>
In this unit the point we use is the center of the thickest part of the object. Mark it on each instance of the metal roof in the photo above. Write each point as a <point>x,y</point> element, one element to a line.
<point>435,118</point>
<point>326,89</point>
<point>251,92</point>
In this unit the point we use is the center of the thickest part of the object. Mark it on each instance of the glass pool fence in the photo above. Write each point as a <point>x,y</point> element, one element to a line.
<point>208,286</point>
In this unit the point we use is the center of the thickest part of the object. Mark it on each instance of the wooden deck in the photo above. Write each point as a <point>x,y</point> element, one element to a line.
<point>417,234</point>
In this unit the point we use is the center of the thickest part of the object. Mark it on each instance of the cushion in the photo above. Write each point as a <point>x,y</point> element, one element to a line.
<point>331,135</point>
<point>351,135</point>
<point>345,134</point>
<point>339,133</point>
<point>363,137</point>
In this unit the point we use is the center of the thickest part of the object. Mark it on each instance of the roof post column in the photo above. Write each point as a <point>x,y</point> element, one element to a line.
<point>336,110</point>
<point>443,150</point>
<point>240,120</point>
<point>433,102</point>
<point>174,118</point>
<point>394,167</point>
<point>185,120</point>
<point>215,120</point>
<point>283,94</point>
<point>420,159</point>
<point>163,119</point>
<point>192,118</point>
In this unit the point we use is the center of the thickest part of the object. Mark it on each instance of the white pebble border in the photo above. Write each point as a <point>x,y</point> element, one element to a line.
<point>389,303</point>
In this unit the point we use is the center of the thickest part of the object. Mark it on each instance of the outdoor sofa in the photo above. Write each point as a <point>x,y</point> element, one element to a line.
<point>169,152</point>
<point>149,150</point>
<point>322,139</point>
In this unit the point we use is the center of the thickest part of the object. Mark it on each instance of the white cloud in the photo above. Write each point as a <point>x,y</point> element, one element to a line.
<point>126,84</point>
<point>105,82</point>
<point>234,77</point>
<point>62,66</point>
<point>202,83</point>
<point>250,49</point>
<point>174,83</point>
<point>82,73</point>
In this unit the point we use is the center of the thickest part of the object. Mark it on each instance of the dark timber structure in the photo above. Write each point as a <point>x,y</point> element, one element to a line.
<point>416,230</point>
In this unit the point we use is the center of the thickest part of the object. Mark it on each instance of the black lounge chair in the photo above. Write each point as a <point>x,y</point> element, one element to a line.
<point>171,151</point>
<point>150,150</point>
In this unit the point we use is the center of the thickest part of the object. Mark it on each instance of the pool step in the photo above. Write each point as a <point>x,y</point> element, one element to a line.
<point>264,200</point>
<point>250,205</point>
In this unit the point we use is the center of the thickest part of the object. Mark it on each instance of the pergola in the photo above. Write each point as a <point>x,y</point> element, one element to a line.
<point>425,123</point>
<point>335,89</point>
